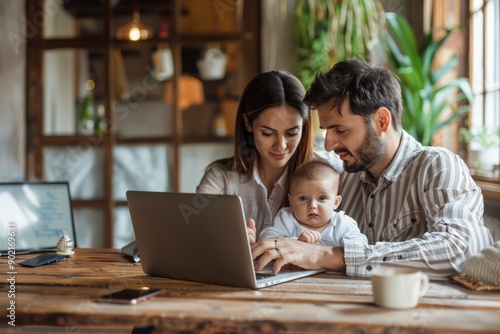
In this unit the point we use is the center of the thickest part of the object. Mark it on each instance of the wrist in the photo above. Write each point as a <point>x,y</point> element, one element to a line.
<point>334,259</point>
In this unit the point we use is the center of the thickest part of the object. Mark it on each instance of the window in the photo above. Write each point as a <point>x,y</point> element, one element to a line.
<point>484,21</point>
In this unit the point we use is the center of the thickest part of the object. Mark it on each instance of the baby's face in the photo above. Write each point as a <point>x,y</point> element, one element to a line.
<point>313,202</point>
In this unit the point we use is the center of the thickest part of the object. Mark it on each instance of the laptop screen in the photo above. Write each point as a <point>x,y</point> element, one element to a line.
<point>34,216</point>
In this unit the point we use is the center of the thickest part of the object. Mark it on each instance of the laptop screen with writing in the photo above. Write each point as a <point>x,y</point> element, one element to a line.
<point>34,216</point>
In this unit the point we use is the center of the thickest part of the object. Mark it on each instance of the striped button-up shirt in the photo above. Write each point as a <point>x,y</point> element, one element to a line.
<point>425,211</point>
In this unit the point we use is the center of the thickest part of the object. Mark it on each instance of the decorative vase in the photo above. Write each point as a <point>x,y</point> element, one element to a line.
<point>213,64</point>
<point>485,159</point>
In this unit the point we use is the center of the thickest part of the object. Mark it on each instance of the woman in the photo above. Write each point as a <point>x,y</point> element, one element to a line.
<point>273,136</point>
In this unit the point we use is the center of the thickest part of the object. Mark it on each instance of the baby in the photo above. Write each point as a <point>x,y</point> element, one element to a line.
<point>311,218</point>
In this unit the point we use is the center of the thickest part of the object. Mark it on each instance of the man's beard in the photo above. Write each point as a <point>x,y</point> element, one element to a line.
<point>367,154</point>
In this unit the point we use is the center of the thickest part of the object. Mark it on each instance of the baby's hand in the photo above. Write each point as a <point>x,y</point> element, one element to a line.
<point>310,236</point>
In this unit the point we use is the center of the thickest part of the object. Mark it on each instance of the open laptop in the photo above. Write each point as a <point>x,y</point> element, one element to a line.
<point>34,216</point>
<point>198,237</point>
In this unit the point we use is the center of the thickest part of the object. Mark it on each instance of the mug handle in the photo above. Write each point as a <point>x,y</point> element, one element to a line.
<point>424,284</point>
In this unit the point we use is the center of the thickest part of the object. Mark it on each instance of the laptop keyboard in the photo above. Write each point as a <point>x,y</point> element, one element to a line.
<point>265,272</point>
<point>262,276</point>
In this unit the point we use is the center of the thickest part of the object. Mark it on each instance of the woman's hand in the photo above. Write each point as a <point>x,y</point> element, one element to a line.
<point>251,231</point>
<point>304,255</point>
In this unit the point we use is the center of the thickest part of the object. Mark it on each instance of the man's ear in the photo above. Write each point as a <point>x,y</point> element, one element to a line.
<point>382,119</point>
<point>247,123</point>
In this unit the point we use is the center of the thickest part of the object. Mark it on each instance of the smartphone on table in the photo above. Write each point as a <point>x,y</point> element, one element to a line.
<point>129,296</point>
<point>43,259</point>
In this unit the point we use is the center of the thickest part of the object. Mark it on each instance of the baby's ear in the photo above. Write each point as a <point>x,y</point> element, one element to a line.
<point>338,199</point>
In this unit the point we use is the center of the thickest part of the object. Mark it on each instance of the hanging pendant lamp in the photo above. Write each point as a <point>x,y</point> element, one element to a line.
<point>134,30</point>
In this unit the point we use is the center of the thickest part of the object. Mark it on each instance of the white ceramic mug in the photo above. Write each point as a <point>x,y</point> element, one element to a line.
<point>163,63</point>
<point>398,288</point>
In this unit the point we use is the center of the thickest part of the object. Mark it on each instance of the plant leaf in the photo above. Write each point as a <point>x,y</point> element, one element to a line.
<point>447,67</point>
<point>430,102</point>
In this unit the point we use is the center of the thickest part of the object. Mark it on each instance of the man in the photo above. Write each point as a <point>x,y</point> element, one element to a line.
<point>418,206</point>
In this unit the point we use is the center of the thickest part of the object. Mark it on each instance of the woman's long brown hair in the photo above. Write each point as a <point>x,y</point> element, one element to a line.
<point>267,90</point>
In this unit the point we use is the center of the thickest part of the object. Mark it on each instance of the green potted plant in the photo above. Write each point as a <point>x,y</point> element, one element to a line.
<point>327,31</point>
<point>426,96</point>
<point>484,146</point>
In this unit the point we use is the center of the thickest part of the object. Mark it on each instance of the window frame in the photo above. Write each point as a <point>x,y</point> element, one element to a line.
<point>483,90</point>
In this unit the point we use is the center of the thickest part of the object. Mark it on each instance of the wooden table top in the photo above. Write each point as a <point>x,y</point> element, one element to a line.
<point>63,295</point>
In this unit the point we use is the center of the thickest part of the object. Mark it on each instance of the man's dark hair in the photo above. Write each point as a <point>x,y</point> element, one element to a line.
<point>364,86</point>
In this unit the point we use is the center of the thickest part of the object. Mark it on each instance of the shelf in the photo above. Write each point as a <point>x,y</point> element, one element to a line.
<point>193,27</point>
<point>95,140</point>
<point>150,42</point>
<point>103,41</point>
<point>121,203</point>
<point>67,43</point>
<point>490,190</point>
<point>184,39</point>
<point>490,186</point>
<point>171,140</point>
<point>91,8</point>
<point>206,139</point>
<point>93,203</point>
<point>187,39</point>
<point>144,140</point>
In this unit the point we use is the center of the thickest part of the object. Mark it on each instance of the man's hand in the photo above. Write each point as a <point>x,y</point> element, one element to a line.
<point>302,254</point>
<point>310,236</point>
<point>251,231</point>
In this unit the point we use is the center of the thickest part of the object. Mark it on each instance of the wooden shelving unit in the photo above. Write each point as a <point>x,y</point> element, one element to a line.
<point>107,16</point>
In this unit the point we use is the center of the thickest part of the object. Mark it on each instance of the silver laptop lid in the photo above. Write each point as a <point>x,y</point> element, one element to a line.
<point>195,237</point>
<point>34,215</point>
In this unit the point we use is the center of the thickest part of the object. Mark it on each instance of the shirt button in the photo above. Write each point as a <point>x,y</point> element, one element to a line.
<point>372,195</point>
<point>385,258</point>
<point>400,257</point>
<point>369,268</point>
<point>370,225</point>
